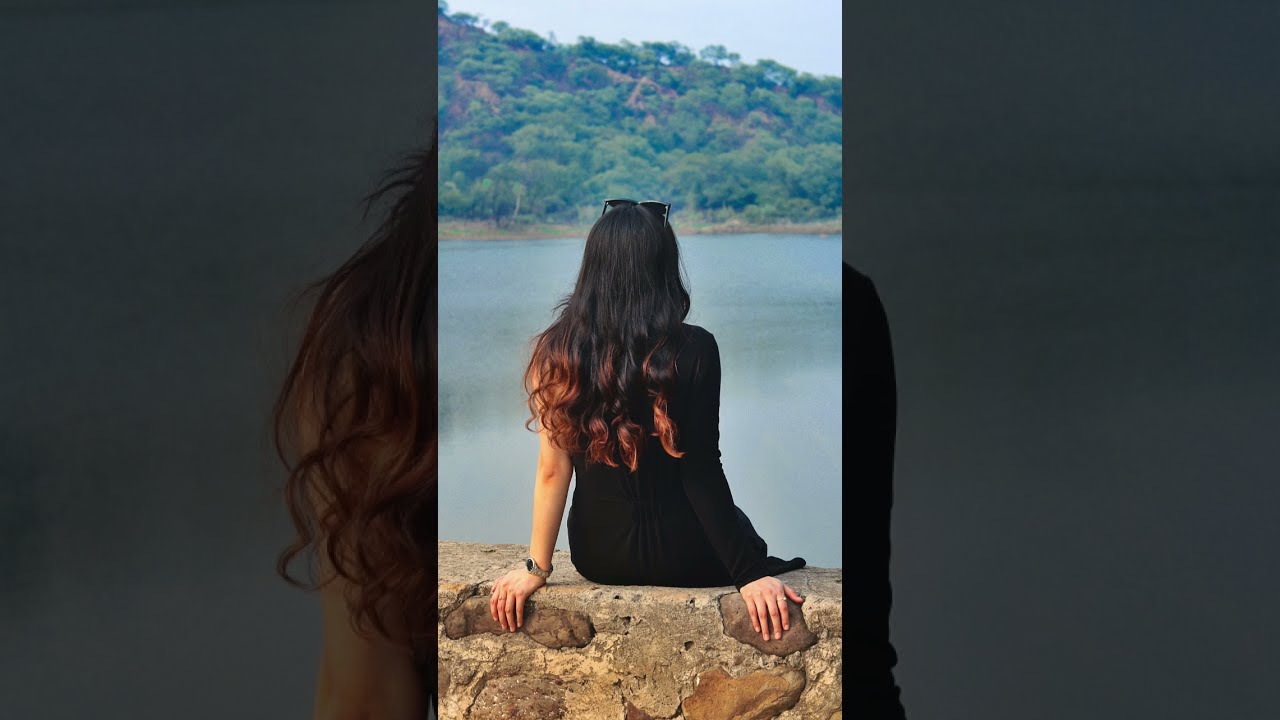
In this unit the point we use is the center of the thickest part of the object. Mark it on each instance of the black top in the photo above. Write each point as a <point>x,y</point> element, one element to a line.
<point>673,521</point>
<point>870,421</point>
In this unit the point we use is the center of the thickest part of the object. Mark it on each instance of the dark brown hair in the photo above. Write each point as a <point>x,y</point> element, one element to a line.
<point>355,422</point>
<point>613,343</point>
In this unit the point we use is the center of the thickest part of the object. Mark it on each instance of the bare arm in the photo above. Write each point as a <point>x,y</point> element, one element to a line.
<point>362,678</point>
<point>550,493</point>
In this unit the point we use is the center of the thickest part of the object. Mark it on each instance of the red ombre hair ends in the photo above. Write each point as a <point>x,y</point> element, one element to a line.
<point>355,422</point>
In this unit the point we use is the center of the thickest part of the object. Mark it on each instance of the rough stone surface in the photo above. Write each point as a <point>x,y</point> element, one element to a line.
<point>552,627</point>
<point>556,628</point>
<point>520,698</point>
<point>649,646</point>
<point>754,696</point>
<point>635,713</point>
<point>737,624</point>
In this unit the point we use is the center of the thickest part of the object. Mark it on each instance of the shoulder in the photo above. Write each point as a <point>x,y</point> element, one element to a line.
<point>699,352</point>
<point>698,339</point>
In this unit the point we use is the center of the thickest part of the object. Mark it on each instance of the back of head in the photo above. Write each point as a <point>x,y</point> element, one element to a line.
<point>614,341</point>
<point>630,281</point>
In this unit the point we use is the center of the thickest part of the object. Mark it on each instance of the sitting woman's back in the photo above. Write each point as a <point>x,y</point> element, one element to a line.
<point>626,397</point>
<point>672,521</point>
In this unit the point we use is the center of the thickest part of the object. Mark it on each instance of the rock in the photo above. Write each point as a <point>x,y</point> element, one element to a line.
<point>552,627</point>
<point>647,645</point>
<point>737,625</point>
<point>837,715</point>
<point>755,696</point>
<point>519,698</point>
<point>469,618</point>
<point>635,713</point>
<point>557,628</point>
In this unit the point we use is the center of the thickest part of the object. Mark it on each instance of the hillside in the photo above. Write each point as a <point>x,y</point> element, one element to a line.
<point>532,130</point>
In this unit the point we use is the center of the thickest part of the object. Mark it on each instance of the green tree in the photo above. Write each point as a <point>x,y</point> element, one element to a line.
<point>718,55</point>
<point>535,130</point>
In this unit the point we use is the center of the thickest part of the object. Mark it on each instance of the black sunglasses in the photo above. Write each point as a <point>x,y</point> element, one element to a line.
<point>651,205</point>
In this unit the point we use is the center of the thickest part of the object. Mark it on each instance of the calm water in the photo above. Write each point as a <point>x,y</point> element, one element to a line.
<point>772,302</point>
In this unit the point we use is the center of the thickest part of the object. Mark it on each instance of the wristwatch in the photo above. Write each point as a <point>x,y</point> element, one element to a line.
<point>533,568</point>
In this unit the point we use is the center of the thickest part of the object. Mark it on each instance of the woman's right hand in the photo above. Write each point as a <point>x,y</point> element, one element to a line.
<point>766,600</point>
<point>506,600</point>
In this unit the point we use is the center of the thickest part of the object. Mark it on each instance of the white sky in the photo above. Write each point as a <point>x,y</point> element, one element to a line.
<point>804,35</point>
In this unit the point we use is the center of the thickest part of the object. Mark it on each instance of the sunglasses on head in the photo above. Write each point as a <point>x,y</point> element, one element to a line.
<point>653,206</point>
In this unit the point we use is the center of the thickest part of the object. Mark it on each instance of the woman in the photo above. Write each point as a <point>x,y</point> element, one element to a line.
<point>626,396</point>
<point>355,423</point>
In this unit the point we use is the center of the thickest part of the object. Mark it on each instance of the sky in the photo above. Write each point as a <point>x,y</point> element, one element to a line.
<point>807,37</point>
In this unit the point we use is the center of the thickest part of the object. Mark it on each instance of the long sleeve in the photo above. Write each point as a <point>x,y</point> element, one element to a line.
<point>702,474</point>
<point>871,404</point>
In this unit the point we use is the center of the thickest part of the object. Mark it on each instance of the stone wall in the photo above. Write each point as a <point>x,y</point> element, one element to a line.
<point>605,652</point>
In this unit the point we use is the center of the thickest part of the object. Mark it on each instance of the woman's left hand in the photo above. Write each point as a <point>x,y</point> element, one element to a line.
<point>506,600</point>
<point>766,600</point>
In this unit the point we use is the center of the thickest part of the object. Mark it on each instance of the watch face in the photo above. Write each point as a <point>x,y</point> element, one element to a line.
<point>528,564</point>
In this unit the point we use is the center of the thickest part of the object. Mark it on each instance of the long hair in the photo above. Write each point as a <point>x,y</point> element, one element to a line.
<point>613,343</point>
<point>355,422</point>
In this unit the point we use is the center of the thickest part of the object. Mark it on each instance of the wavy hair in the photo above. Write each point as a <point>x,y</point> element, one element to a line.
<point>355,422</point>
<point>613,343</point>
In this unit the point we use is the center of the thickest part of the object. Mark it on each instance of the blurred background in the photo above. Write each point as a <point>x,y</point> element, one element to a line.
<point>1072,213</point>
<point>171,174</point>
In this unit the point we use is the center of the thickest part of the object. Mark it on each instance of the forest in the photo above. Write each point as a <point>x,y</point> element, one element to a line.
<point>535,130</point>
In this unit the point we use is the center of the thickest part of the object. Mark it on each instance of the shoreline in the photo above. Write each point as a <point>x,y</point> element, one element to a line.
<point>479,230</point>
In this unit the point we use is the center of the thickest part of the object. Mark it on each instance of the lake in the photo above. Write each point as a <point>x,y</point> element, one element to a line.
<point>773,303</point>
